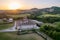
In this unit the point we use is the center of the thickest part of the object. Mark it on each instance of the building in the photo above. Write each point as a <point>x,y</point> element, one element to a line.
<point>26,24</point>
<point>0,19</point>
<point>10,20</point>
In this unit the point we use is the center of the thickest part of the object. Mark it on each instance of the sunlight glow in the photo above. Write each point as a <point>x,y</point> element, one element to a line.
<point>14,5</point>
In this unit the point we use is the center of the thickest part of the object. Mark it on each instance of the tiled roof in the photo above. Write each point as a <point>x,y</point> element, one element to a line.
<point>27,22</point>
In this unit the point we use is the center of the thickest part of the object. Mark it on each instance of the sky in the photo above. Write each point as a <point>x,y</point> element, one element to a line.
<point>28,4</point>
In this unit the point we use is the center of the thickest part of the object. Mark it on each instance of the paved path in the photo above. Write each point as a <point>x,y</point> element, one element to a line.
<point>44,35</point>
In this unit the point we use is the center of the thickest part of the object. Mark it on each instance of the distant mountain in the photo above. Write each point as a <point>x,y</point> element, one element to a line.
<point>35,11</point>
<point>54,10</point>
<point>51,10</point>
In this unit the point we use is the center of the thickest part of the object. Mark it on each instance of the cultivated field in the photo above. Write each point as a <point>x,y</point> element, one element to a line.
<point>20,15</point>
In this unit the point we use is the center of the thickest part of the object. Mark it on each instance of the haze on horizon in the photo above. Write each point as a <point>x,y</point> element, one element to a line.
<point>28,4</point>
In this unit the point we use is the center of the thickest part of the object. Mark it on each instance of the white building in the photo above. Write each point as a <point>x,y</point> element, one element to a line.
<point>26,24</point>
<point>10,20</point>
<point>40,23</point>
<point>0,19</point>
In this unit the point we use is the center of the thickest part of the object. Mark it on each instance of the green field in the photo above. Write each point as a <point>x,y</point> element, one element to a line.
<point>5,26</point>
<point>20,15</point>
<point>14,36</point>
<point>49,15</point>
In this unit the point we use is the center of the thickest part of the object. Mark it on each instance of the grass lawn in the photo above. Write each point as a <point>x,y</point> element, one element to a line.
<point>5,26</point>
<point>14,36</point>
